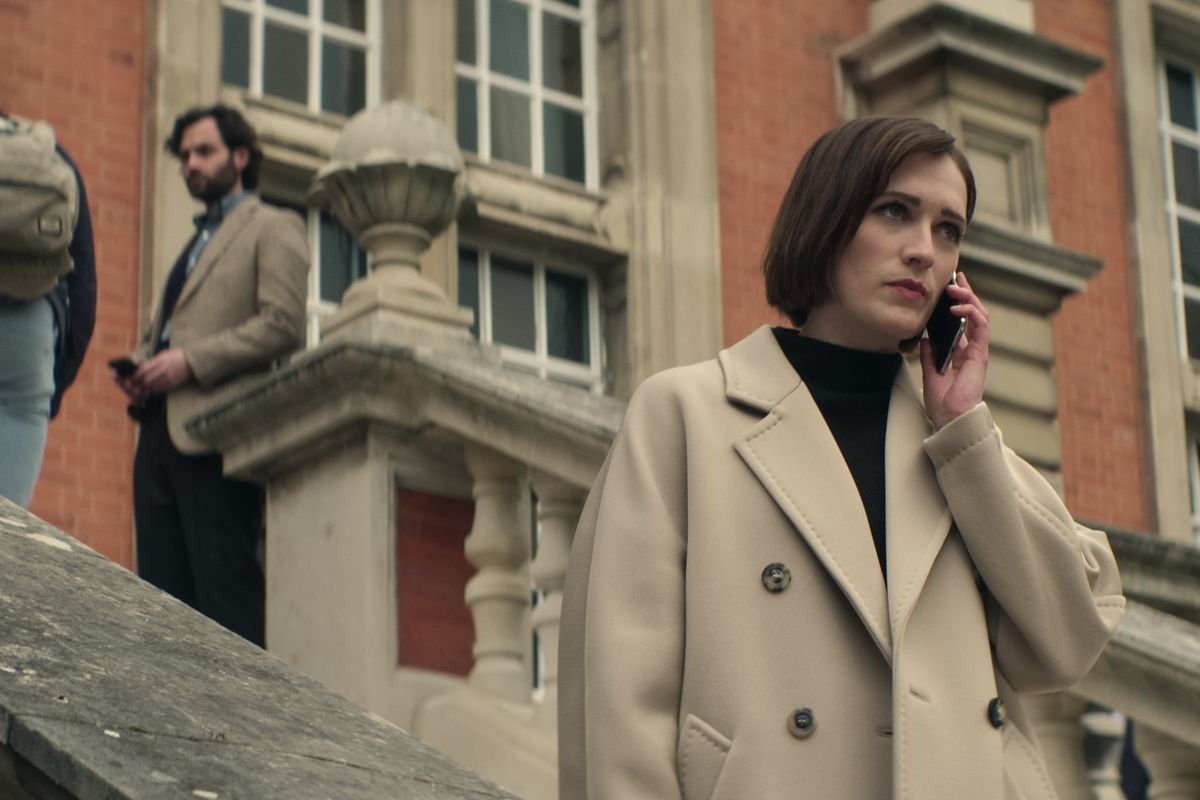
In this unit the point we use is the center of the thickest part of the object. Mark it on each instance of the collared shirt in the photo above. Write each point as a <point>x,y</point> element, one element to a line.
<point>206,227</point>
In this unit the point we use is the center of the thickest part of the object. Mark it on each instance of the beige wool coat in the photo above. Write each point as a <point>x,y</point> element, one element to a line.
<point>242,308</point>
<point>727,631</point>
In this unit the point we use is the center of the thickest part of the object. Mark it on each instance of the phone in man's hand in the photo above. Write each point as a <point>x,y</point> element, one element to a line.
<point>123,366</point>
<point>945,329</point>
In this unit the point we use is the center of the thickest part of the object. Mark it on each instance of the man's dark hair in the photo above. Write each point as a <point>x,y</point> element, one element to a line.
<point>235,132</point>
<point>832,189</point>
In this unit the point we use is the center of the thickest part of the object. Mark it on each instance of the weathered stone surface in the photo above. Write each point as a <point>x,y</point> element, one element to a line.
<point>1162,573</point>
<point>113,689</point>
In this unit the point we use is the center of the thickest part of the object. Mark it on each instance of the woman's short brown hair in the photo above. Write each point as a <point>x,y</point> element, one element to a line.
<point>833,187</point>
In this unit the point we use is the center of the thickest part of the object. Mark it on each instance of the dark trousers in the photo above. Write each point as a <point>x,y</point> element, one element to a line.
<point>198,532</point>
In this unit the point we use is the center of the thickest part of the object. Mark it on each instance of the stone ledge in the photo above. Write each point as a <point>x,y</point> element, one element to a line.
<point>112,689</point>
<point>1161,573</point>
<point>301,409</point>
<point>1150,671</point>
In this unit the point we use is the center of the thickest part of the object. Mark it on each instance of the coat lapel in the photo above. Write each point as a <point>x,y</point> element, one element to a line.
<point>795,457</point>
<point>227,231</point>
<point>918,518</point>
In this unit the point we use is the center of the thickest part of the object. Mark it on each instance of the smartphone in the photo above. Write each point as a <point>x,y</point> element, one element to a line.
<point>123,365</point>
<point>945,329</point>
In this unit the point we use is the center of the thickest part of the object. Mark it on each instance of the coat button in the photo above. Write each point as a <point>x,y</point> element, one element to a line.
<point>996,712</point>
<point>776,577</point>
<point>802,723</point>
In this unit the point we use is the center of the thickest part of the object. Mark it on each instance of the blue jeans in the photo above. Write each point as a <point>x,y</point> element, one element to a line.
<point>26,386</point>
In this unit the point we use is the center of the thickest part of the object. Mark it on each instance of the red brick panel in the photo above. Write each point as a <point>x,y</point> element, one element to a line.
<point>435,630</point>
<point>775,95</point>
<point>1096,357</point>
<point>81,65</point>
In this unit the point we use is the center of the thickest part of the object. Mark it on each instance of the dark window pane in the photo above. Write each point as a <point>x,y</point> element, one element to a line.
<point>510,127</point>
<point>562,55</point>
<point>343,78</point>
<point>1191,316</point>
<point>509,39</point>
<point>285,63</point>
<point>468,284</point>
<point>465,31</point>
<point>564,143</point>
<point>567,323</point>
<point>512,303</point>
<point>1181,96</point>
<point>572,3</point>
<point>349,13</point>
<point>235,47</point>
<point>342,261</point>
<point>1186,163</point>
<point>467,115</point>
<point>1189,251</point>
<point>299,6</point>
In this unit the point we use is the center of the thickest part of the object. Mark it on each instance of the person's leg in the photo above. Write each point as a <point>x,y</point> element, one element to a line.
<point>223,520</point>
<point>162,556</point>
<point>26,386</point>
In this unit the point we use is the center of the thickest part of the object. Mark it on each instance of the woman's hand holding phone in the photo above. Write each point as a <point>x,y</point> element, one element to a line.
<point>960,388</point>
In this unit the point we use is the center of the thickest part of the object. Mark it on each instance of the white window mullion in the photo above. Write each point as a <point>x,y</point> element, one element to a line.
<point>257,34</point>
<point>485,295</point>
<point>541,346</point>
<point>374,52</point>
<point>591,135</point>
<point>314,55</point>
<point>536,130</point>
<point>483,97</point>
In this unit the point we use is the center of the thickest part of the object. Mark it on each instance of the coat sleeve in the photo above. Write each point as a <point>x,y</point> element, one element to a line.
<point>1053,586</point>
<point>281,292</point>
<point>621,650</point>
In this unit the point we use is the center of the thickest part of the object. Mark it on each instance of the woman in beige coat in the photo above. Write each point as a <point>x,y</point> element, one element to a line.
<point>803,574</point>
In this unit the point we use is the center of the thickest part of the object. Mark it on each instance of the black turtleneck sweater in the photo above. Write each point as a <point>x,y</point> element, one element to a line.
<point>852,388</point>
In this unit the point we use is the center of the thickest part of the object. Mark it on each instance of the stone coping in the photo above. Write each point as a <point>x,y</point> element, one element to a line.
<point>1162,573</point>
<point>112,689</point>
<point>289,415</point>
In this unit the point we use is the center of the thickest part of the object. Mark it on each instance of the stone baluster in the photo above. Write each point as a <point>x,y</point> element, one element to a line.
<point>499,593</point>
<point>558,507</point>
<point>1173,765</point>
<point>1105,738</point>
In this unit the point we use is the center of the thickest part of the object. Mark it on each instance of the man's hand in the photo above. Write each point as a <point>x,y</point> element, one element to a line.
<point>160,374</point>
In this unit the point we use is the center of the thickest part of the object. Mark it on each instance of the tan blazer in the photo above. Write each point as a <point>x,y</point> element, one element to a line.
<point>240,309</point>
<point>723,578</point>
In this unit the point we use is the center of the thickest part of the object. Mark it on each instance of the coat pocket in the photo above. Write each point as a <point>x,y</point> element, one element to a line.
<point>1025,776</point>
<point>702,752</point>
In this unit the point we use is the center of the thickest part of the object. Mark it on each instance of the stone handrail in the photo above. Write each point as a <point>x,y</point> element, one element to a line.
<point>110,688</point>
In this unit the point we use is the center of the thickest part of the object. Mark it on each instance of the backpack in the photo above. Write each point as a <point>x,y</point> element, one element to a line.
<point>39,202</point>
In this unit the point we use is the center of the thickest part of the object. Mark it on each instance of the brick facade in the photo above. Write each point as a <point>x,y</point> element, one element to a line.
<point>82,66</point>
<point>434,627</point>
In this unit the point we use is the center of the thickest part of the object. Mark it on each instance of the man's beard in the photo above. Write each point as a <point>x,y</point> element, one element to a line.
<point>211,190</point>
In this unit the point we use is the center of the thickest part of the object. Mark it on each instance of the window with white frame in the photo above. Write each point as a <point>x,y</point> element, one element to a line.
<point>543,316</point>
<point>336,262</point>
<point>1180,96</point>
<point>322,54</point>
<point>526,85</point>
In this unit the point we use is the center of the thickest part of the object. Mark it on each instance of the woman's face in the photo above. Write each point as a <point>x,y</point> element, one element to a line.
<point>901,256</point>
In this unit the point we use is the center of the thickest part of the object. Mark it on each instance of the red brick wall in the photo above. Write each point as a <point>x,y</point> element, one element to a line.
<point>435,628</point>
<point>81,65</point>
<point>774,88</point>
<point>1096,359</point>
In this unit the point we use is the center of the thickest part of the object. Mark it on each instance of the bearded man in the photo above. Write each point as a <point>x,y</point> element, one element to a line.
<point>232,305</point>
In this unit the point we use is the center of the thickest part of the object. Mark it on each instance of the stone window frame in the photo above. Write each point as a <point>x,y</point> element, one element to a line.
<point>1146,30</point>
<point>317,30</point>
<point>484,78</point>
<point>1172,134</point>
<point>538,361</point>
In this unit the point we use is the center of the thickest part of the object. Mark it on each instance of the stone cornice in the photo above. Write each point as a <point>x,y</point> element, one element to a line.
<point>1162,573</point>
<point>330,392</point>
<point>945,33</point>
<point>1026,272</point>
